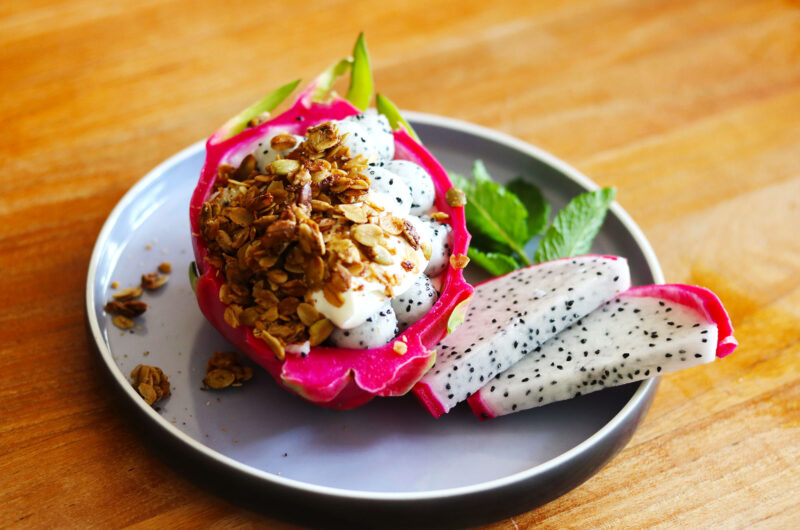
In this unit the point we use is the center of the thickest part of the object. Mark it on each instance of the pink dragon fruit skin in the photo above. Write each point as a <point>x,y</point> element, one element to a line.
<point>333,377</point>
<point>701,300</point>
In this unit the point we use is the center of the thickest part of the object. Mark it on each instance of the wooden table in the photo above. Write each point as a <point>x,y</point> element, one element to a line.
<point>692,109</point>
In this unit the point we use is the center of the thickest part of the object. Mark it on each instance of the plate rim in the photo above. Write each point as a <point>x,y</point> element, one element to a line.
<point>630,407</point>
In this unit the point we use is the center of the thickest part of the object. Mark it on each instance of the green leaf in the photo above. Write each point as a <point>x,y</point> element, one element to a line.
<point>193,275</point>
<point>326,79</point>
<point>360,91</point>
<point>388,109</point>
<point>494,263</point>
<point>535,203</point>
<point>457,316</point>
<point>494,211</point>
<point>575,226</point>
<point>268,103</point>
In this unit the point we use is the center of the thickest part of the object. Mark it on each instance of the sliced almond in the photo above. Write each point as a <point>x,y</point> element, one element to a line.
<point>319,331</point>
<point>307,313</point>
<point>284,166</point>
<point>354,212</point>
<point>274,344</point>
<point>282,142</point>
<point>219,379</point>
<point>122,322</point>
<point>367,234</point>
<point>379,255</point>
<point>127,294</point>
<point>153,280</point>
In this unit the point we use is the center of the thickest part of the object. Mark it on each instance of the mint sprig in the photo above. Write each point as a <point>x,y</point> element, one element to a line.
<point>503,220</point>
<point>494,212</point>
<point>575,226</point>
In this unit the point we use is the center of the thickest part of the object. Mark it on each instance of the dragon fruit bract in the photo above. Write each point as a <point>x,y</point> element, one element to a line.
<point>513,315</point>
<point>331,377</point>
<point>644,332</point>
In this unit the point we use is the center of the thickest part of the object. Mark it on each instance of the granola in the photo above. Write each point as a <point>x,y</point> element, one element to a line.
<point>303,225</point>
<point>151,383</point>
<point>225,369</point>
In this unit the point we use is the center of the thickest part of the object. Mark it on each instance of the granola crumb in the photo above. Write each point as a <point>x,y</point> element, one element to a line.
<point>122,322</point>
<point>151,383</point>
<point>225,369</point>
<point>153,281</point>
<point>129,308</point>
<point>165,267</point>
<point>114,285</point>
<point>127,294</point>
<point>440,216</point>
<point>148,247</point>
<point>146,353</point>
<point>459,261</point>
<point>400,348</point>
<point>456,197</point>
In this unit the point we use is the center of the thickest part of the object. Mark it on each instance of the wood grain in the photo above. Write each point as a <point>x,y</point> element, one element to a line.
<point>690,108</point>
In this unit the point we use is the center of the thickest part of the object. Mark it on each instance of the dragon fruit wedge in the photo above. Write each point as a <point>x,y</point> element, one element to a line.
<point>644,332</point>
<point>512,315</point>
<point>335,377</point>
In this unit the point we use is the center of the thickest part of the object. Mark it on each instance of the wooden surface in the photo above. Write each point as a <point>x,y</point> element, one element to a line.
<point>692,109</point>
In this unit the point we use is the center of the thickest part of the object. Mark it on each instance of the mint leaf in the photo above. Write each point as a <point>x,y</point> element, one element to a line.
<point>535,203</point>
<point>575,226</point>
<point>493,262</point>
<point>360,91</point>
<point>388,109</point>
<point>494,212</point>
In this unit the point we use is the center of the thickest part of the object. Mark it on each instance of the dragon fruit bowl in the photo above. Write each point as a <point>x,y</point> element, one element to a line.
<point>350,464</point>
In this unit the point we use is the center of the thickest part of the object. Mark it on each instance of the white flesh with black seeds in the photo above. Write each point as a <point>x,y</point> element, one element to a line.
<point>377,130</point>
<point>418,181</point>
<point>386,182</point>
<point>377,330</point>
<point>415,302</point>
<point>440,236</point>
<point>628,339</point>
<point>514,314</point>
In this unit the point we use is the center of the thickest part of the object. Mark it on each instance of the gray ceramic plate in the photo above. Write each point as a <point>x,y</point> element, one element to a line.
<point>388,461</point>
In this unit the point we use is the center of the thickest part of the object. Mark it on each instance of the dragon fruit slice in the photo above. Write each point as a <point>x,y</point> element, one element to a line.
<point>512,315</point>
<point>644,332</point>
<point>339,378</point>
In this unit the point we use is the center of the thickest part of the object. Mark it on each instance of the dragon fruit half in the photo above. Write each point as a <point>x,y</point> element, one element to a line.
<point>331,377</point>
<point>644,332</point>
<point>513,315</point>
